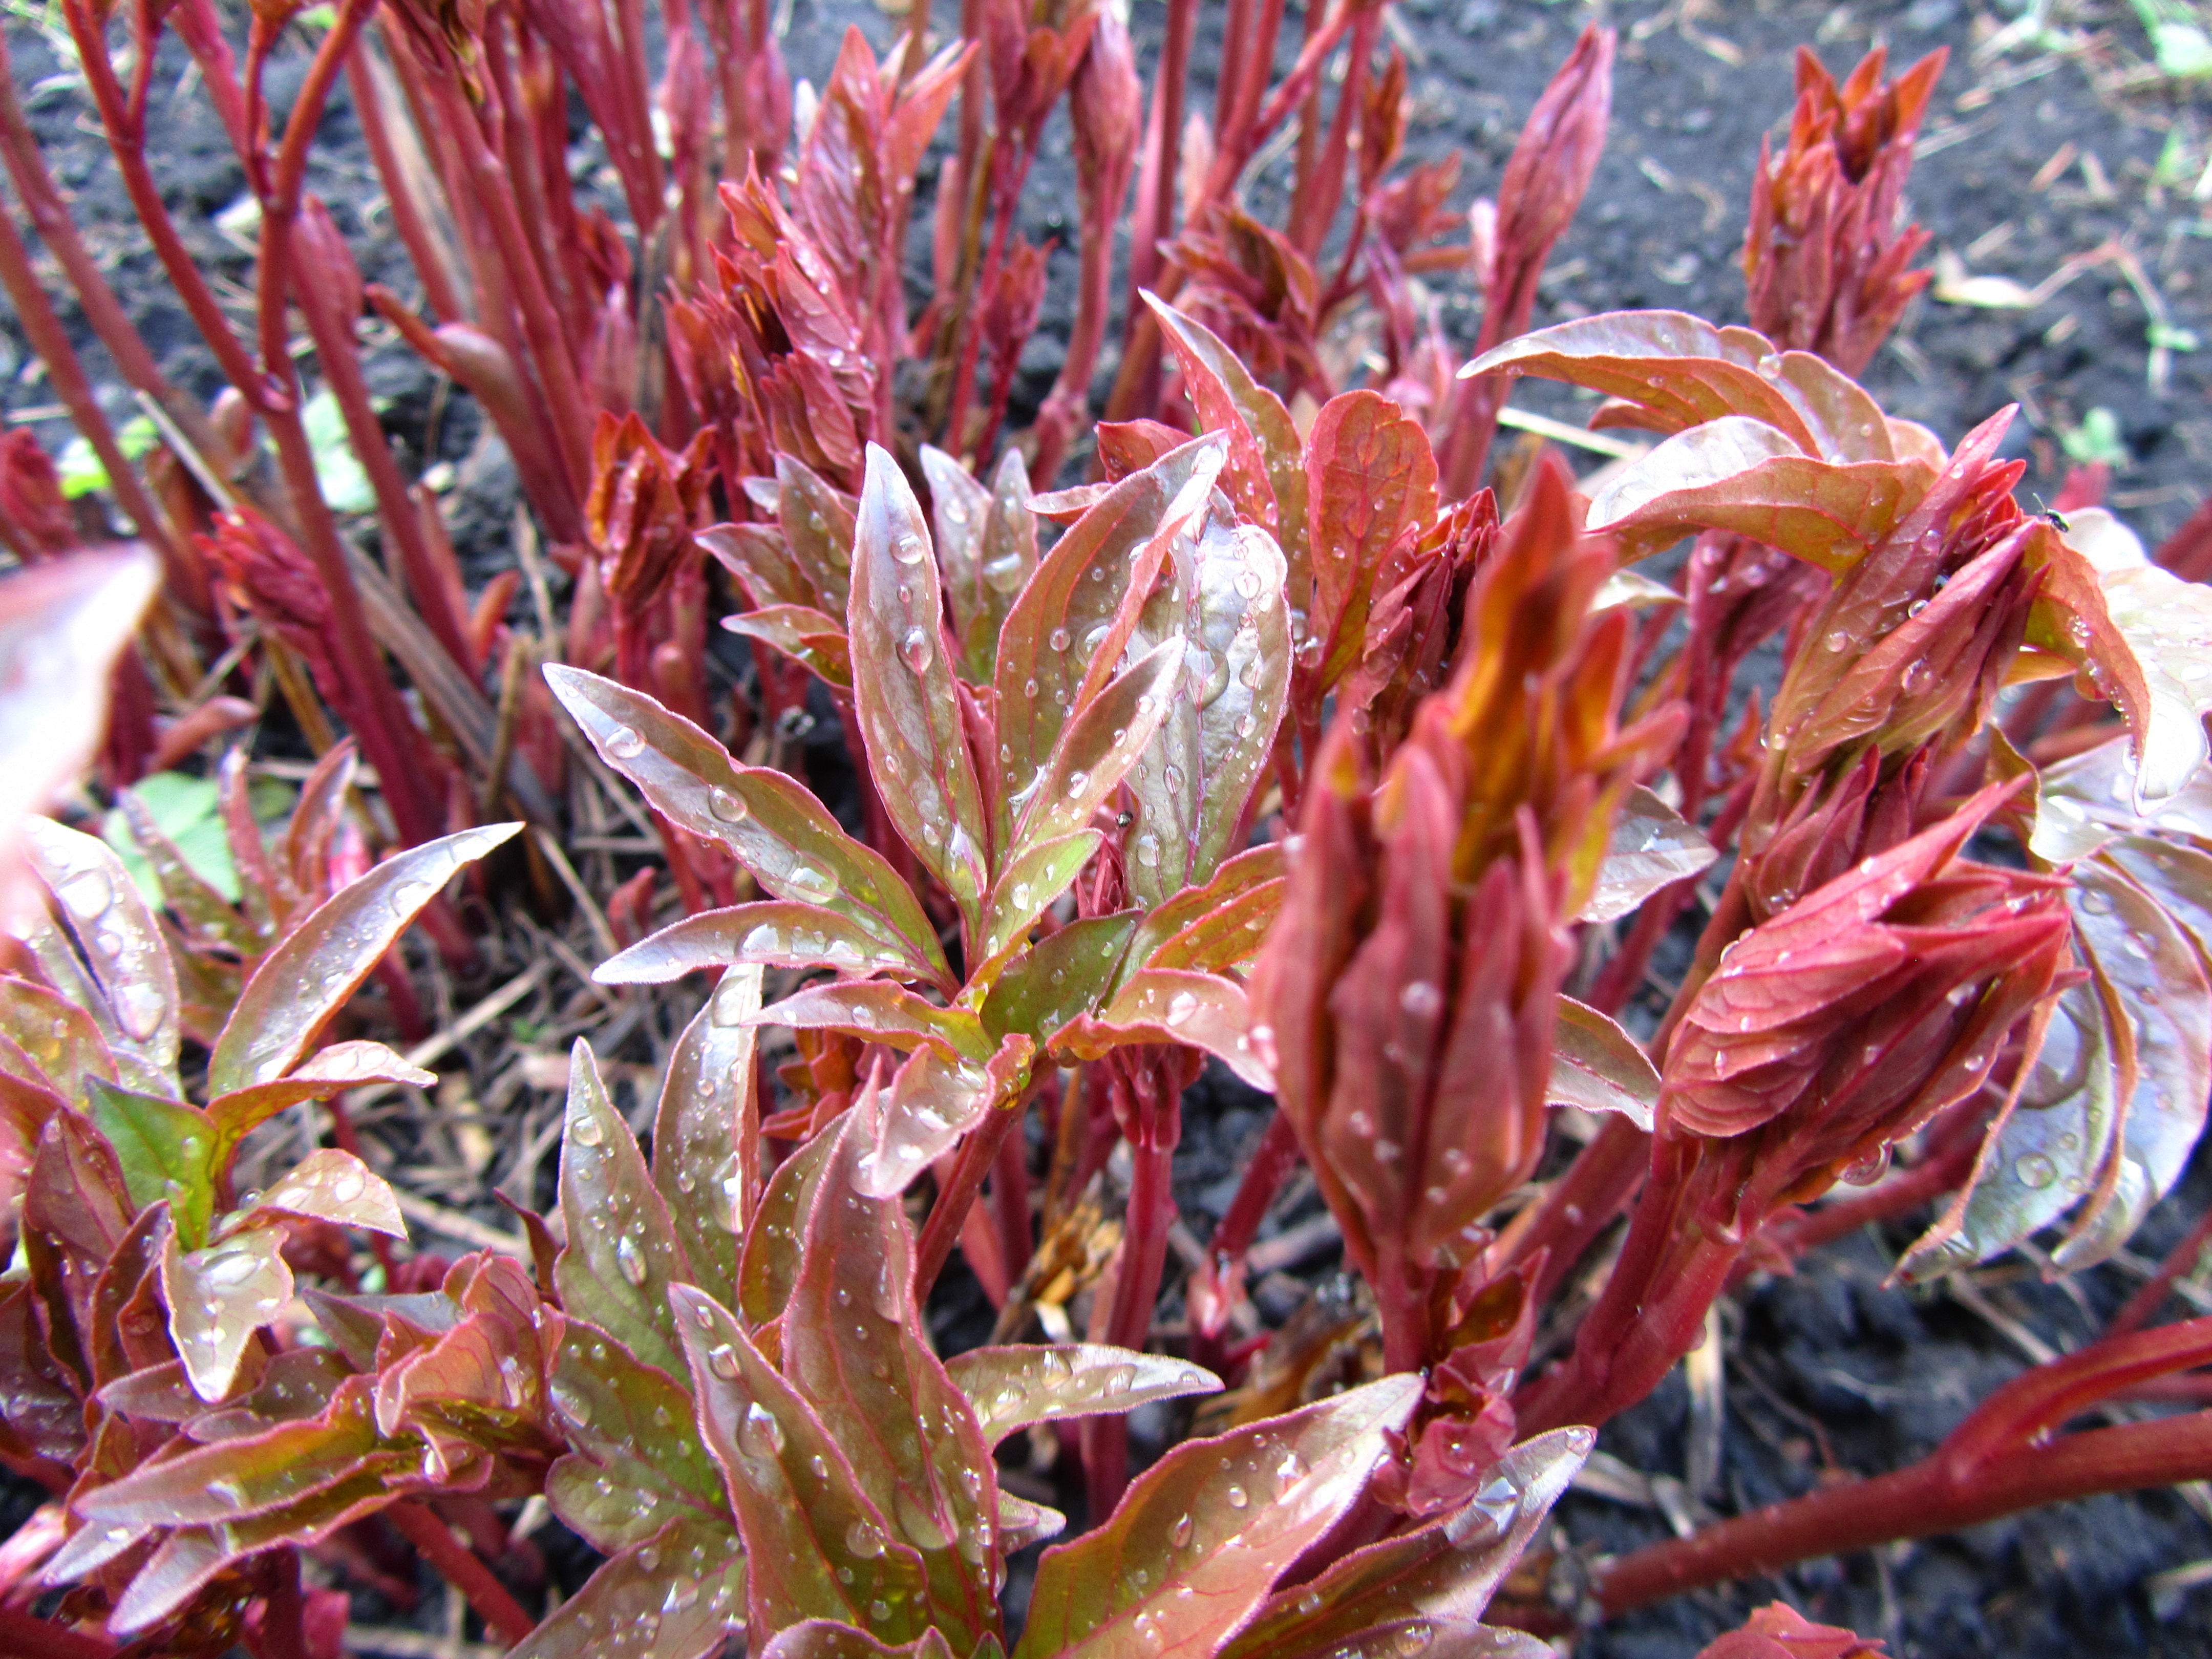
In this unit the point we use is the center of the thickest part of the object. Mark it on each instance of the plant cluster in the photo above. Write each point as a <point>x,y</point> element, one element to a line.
<point>1275,741</point>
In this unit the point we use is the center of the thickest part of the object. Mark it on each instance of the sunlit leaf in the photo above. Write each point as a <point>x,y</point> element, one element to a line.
<point>327,1072</point>
<point>1600,1067</point>
<point>933,1100</point>
<point>1058,977</point>
<point>902,688</point>
<point>167,1150</point>
<point>329,1185</point>
<point>1167,1005</point>
<point>878,1013</point>
<point>1425,1591</point>
<point>1219,1519</point>
<point>706,1131</point>
<point>637,1465</point>
<point>773,933</point>
<point>802,634</point>
<point>308,977</point>
<point>56,1037</point>
<point>1011,1389</point>
<point>1038,875</point>
<point>218,1297</point>
<point>779,831</point>
<point>986,544</point>
<point>675,1595</point>
<point>2087,800</point>
<point>2167,624</point>
<point>622,1253</point>
<point>1371,480</point>
<point>1098,747</point>
<point>1651,845</point>
<point>118,935</point>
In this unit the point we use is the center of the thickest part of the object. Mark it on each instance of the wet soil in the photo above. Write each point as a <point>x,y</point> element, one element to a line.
<point>2034,157</point>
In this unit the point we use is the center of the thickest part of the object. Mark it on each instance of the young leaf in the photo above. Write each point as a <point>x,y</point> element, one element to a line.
<point>878,1013</point>
<point>1167,1005</point>
<point>1229,888</point>
<point>800,1505</point>
<point>803,634</point>
<point>1371,478</point>
<point>1226,602</point>
<point>218,1298</point>
<point>1097,748</point>
<point>777,830</point>
<point>987,542</point>
<point>1058,977</point>
<point>327,1072</point>
<point>1651,846</point>
<point>772,933</point>
<point>623,1253</point>
<point>1013,1389</point>
<point>1220,1519</point>
<point>675,1595</point>
<point>308,977</point>
<point>328,1185</point>
<point>1068,626</point>
<point>1035,878</point>
<point>902,688</point>
<point>1224,940</point>
<point>54,1035</point>
<point>1266,475</point>
<point>1402,1594</point>
<point>637,1466</point>
<point>853,1345</point>
<point>2087,800</point>
<point>1600,1067</point>
<point>706,1131</point>
<point>2165,623</point>
<point>118,934</point>
<point>768,1263</point>
<point>167,1150</point>
<point>934,1099</point>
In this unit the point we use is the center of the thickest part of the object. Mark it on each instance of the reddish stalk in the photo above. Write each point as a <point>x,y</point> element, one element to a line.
<point>502,1615</point>
<point>25,1636</point>
<point>2143,1307</point>
<point>941,1230</point>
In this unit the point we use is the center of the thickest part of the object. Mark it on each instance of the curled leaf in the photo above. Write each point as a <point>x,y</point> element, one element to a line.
<point>118,935</point>
<point>802,634</point>
<point>1651,846</point>
<point>775,933</point>
<point>1011,1389</point>
<point>329,1185</point>
<point>1600,1067</point>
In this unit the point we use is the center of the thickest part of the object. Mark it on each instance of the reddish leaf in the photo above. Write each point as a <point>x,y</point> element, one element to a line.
<point>330,954</point>
<point>889,1014</point>
<point>767,1265</point>
<point>803,634</point>
<point>1220,1519</point>
<point>336,1186</point>
<point>774,933</point>
<point>1097,748</point>
<point>1011,1389</point>
<point>1599,1067</point>
<point>1166,1005</point>
<point>934,1099</point>
<point>903,690</point>
<point>327,1072</point>
<point>781,833</point>
<point>675,1595</point>
<point>819,1639</point>
<point>623,1253</point>
<point>57,1037</point>
<point>987,542</point>
<point>1266,475</point>
<point>706,1131</point>
<point>1651,846</point>
<point>218,1298</point>
<point>1371,478</point>
<point>1237,887</point>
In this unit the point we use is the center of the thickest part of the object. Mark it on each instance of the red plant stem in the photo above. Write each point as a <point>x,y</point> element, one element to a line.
<point>501,1613</point>
<point>51,341</point>
<point>1317,203</point>
<point>1935,1495</point>
<point>25,1636</point>
<point>1155,207</point>
<point>1582,1203</point>
<point>283,1636</point>
<point>941,1230</point>
<point>1273,1160</point>
<point>2143,1307</point>
<point>1010,1206</point>
<point>409,216</point>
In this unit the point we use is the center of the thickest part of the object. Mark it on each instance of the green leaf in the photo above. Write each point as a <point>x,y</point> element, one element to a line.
<point>986,544</point>
<point>903,689</point>
<point>706,1131</point>
<point>1097,748</point>
<point>2096,439</point>
<point>775,933</point>
<point>1058,977</point>
<point>768,1263</point>
<point>636,1465</point>
<point>218,1298</point>
<point>876,1012</point>
<point>168,828</point>
<point>1013,1389</point>
<point>341,478</point>
<point>1236,887</point>
<point>57,1037</point>
<point>800,1507</point>
<point>803,634</point>
<point>1194,780</point>
<point>1037,876</point>
<point>856,1346</point>
<point>1068,628</point>
<point>776,830</point>
<point>1197,1542</point>
<point>167,1150</point>
<point>1651,845</point>
<point>120,938</point>
<point>1425,1591</point>
<point>675,1595</point>
<point>621,1255</point>
<point>306,980</point>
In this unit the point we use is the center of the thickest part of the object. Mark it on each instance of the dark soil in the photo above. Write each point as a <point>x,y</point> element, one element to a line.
<point>1827,1370</point>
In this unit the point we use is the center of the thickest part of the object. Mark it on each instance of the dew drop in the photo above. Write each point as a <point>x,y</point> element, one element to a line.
<point>1421,1000</point>
<point>1180,1006</point>
<point>1179,1534</point>
<point>586,1130</point>
<point>624,743</point>
<point>724,804</point>
<point>1234,1497</point>
<point>629,1258</point>
<point>2035,1171</point>
<point>760,1434</point>
<point>1059,639</point>
<point>915,650</point>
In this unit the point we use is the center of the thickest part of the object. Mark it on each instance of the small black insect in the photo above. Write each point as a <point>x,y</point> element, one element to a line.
<point>2056,522</point>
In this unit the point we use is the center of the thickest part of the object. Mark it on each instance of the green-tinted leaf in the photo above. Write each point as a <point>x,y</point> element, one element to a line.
<point>933,1100</point>
<point>1168,1005</point>
<point>903,689</point>
<point>987,545</point>
<point>328,1185</point>
<point>637,1465</point>
<point>2179,878</point>
<point>774,933</point>
<point>308,977</point>
<point>781,833</point>
<point>760,558</point>
<point>621,1255</point>
<point>1743,475</point>
<point>880,1013</point>
<point>1037,876</point>
<point>803,634</point>
<point>800,1508</point>
<point>706,1133</point>
<point>819,1639</point>
<point>1058,977</point>
<point>1097,748</point>
<point>1678,371</point>
<point>57,1037</point>
<point>768,1263</point>
<point>675,1595</point>
<point>1225,600</point>
<point>327,1072</point>
<point>2167,624</point>
<point>1070,624</point>
<point>1266,475</point>
<point>1022,1523</point>
<point>1197,1544</point>
<point>1651,845</point>
<point>218,1298</point>
<point>1423,1592</point>
<point>1600,1067</point>
<point>118,935</point>
<point>1226,940</point>
<point>1232,888</point>
<point>1011,1389</point>
<point>2086,801</point>
<point>856,1346</point>
<point>167,1150</point>
<point>818,522</point>
<point>175,824</point>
